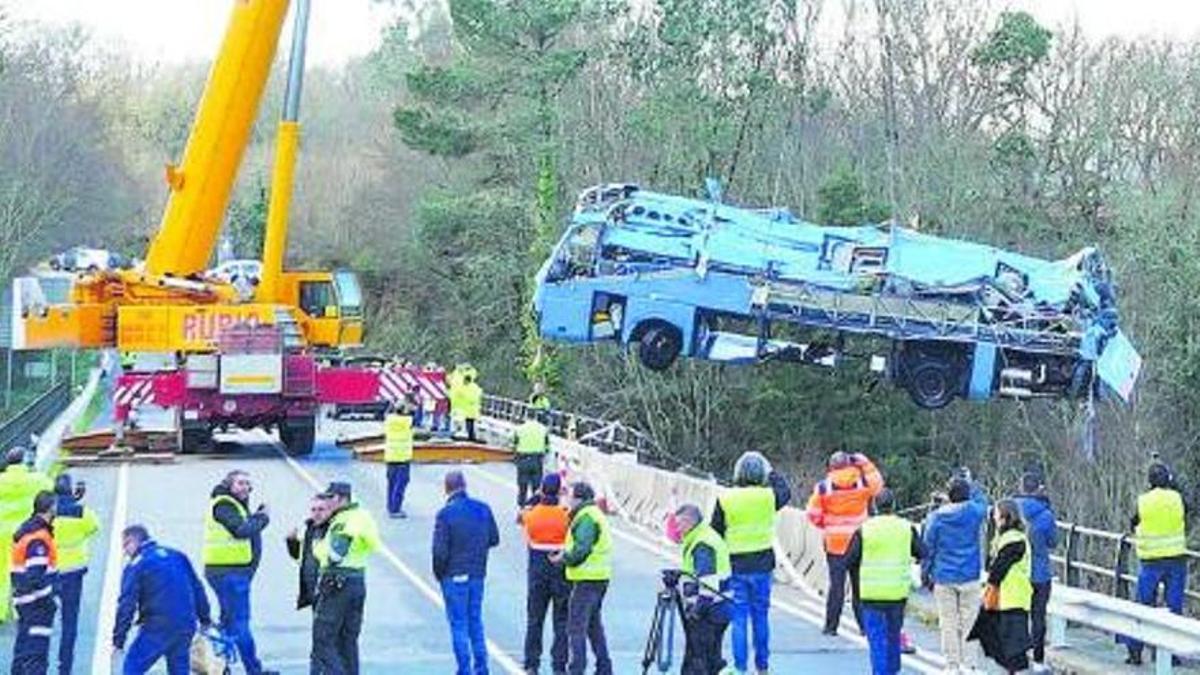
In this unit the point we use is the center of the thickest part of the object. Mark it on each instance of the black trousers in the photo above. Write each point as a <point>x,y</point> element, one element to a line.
<point>529,477</point>
<point>702,647</point>
<point>584,625</point>
<point>471,429</point>
<point>836,597</point>
<point>548,588</point>
<point>1037,620</point>
<point>337,621</point>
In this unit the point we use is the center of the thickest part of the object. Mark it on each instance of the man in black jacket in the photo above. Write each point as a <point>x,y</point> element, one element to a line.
<point>300,549</point>
<point>232,548</point>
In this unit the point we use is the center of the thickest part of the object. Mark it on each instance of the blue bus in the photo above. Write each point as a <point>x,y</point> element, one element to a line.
<point>673,276</point>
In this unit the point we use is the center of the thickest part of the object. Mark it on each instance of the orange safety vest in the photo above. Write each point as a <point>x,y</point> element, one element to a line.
<point>546,527</point>
<point>21,561</point>
<point>840,502</point>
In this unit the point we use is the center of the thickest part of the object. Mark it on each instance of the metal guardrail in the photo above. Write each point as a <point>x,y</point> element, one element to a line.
<point>604,435</point>
<point>35,416</point>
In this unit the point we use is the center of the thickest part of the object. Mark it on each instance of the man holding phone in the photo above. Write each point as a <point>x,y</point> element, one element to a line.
<point>74,528</point>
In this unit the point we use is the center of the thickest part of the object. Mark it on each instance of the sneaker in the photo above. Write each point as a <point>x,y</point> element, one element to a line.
<point>831,632</point>
<point>1133,660</point>
<point>1039,668</point>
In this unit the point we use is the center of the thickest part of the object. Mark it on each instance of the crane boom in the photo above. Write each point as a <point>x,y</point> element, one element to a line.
<point>201,185</point>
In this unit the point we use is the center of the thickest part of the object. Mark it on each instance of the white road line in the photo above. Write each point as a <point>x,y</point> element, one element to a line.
<point>809,612</point>
<point>506,662</point>
<point>102,651</point>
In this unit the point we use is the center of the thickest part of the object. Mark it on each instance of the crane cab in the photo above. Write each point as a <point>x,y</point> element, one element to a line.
<point>329,306</point>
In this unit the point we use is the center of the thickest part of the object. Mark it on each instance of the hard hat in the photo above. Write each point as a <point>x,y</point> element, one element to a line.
<point>839,459</point>
<point>751,469</point>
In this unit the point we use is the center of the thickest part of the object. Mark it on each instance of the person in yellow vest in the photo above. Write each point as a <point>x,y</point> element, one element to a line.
<point>471,399</point>
<point>704,562</point>
<point>539,400</point>
<point>397,454</point>
<point>232,549</point>
<point>587,557</point>
<point>1161,540</point>
<point>18,486</point>
<point>881,554</point>
<point>531,441</point>
<point>745,516</point>
<point>1003,626</point>
<point>342,554</point>
<point>75,525</point>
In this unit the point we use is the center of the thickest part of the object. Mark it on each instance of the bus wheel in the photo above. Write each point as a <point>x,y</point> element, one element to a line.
<point>659,346</point>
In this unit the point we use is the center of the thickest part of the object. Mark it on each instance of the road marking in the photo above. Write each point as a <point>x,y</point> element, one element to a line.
<point>102,650</point>
<point>506,662</point>
<point>809,612</point>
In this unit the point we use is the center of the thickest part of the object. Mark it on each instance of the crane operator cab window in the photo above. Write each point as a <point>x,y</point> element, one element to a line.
<point>317,299</point>
<point>349,293</point>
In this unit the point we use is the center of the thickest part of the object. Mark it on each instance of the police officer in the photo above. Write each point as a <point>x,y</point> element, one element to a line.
<point>545,524</point>
<point>587,556</point>
<point>18,486</point>
<point>34,561</point>
<point>881,552</point>
<point>531,441</point>
<point>706,568</point>
<point>75,525</point>
<point>1161,541</point>
<point>342,553</point>
<point>745,517</point>
<point>397,454</point>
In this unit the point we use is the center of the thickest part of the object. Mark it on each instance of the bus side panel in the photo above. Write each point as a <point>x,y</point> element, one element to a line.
<point>565,310</point>
<point>679,299</point>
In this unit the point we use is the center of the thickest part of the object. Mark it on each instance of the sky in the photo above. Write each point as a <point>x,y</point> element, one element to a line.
<point>171,31</point>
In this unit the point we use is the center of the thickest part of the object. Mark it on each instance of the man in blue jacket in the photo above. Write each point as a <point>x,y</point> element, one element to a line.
<point>953,564</point>
<point>463,533</point>
<point>160,585</point>
<point>1041,528</point>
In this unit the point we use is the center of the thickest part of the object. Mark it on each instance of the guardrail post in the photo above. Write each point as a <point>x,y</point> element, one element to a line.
<point>1058,631</point>
<point>1120,587</point>
<point>1162,662</point>
<point>1071,573</point>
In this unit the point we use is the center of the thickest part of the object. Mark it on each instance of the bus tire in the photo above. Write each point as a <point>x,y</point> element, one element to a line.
<point>659,346</point>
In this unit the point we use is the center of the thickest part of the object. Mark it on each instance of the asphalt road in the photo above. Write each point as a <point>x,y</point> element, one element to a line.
<point>405,630</point>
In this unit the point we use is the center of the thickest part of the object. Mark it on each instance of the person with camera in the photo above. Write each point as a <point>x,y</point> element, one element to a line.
<point>587,557</point>
<point>706,568</point>
<point>952,538</point>
<point>745,518</point>
<point>75,525</point>
<point>232,549</point>
<point>880,554</point>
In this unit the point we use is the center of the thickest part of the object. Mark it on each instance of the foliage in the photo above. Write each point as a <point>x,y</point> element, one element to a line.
<point>841,200</point>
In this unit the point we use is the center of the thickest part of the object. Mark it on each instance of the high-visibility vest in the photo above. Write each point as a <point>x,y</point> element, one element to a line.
<point>704,534</point>
<point>531,438</point>
<point>18,488</point>
<point>397,439</point>
<point>472,400</point>
<point>1016,590</point>
<point>357,524</point>
<point>546,526</point>
<point>1160,531</point>
<point>840,502</point>
<point>539,402</point>
<point>220,546</point>
<point>749,518</point>
<point>73,536</point>
<point>886,559</point>
<point>598,565</point>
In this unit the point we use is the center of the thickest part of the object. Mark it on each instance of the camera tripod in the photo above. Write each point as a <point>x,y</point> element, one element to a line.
<point>660,642</point>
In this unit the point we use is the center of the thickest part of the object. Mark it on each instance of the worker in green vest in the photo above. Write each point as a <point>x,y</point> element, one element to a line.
<point>397,454</point>
<point>587,557</point>
<point>75,525</point>
<point>19,484</point>
<point>1161,539</point>
<point>704,561</point>
<point>342,554</point>
<point>1003,626</point>
<point>881,554</point>
<point>471,399</point>
<point>539,400</point>
<point>531,441</point>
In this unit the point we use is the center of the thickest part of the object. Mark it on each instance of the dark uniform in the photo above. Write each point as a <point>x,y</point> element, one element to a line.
<point>545,531</point>
<point>341,589</point>
<point>531,440</point>
<point>33,571</point>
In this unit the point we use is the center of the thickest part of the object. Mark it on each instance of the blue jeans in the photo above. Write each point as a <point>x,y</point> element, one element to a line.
<point>751,602</point>
<point>464,611</point>
<point>233,594</point>
<point>150,646</point>
<point>1171,573</point>
<point>70,588</point>
<point>397,483</point>
<point>881,623</point>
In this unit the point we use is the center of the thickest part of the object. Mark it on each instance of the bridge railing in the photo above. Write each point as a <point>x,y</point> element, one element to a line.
<point>35,417</point>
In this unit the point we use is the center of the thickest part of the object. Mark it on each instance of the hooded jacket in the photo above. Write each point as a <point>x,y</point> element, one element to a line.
<point>952,540</point>
<point>250,527</point>
<point>1042,531</point>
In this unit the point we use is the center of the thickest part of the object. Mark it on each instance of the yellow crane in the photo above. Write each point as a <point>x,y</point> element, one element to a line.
<point>168,304</point>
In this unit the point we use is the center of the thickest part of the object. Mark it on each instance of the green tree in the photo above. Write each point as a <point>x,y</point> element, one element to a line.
<point>841,200</point>
<point>248,221</point>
